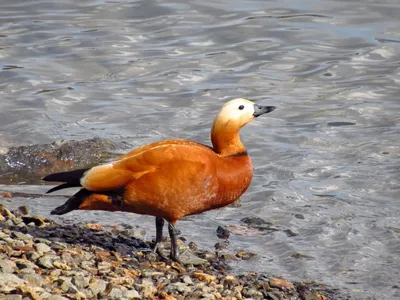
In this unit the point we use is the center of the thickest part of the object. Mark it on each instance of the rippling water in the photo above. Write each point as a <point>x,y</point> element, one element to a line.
<point>327,161</point>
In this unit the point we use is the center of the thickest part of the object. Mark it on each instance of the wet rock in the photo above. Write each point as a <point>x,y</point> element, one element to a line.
<point>28,163</point>
<point>290,233</point>
<point>221,245</point>
<point>280,283</point>
<point>242,230</point>
<point>229,281</point>
<point>245,255</point>
<point>204,277</point>
<point>24,209</point>
<point>258,223</point>
<point>252,293</point>
<point>35,221</point>
<point>299,216</point>
<point>187,257</point>
<point>223,232</point>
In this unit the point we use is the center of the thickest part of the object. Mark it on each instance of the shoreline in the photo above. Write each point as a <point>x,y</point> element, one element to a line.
<point>41,259</point>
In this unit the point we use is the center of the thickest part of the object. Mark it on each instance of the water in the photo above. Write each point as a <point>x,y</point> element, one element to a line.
<point>327,161</point>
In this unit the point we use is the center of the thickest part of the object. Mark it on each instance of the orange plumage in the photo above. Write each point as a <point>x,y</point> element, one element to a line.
<point>173,178</point>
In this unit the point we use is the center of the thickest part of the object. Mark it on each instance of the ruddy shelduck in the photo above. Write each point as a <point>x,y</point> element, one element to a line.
<point>170,179</point>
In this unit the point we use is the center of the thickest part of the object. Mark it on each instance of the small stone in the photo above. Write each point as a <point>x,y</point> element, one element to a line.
<point>221,245</point>
<point>21,236</point>
<point>187,257</point>
<point>98,286</point>
<point>37,221</point>
<point>204,277</point>
<point>280,283</point>
<point>61,266</point>
<point>187,279</point>
<point>253,294</point>
<point>131,294</point>
<point>5,212</point>
<point>41,247</point>
<point>245,255</point>
<point>56,297</point>
<point>104,267</point>
<point>81,281</point>
<point>24,209</point>
<point>148,288</point>
<point>290,232</point>
<point>7,266</point>
<point>11,297</point>
<point>181,287</point>
<point>66,285</point>
<point>33,255</point>
<point>46,261</point>
<point>223,232</point>
<point>34,279</point>
<point>229,281</point>
<point>55,274</point>
<point>115,293</point>
<point>10,280</point>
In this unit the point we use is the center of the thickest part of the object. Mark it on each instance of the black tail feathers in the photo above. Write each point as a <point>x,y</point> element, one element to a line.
<point>72,203</point>
<point>71,179</point>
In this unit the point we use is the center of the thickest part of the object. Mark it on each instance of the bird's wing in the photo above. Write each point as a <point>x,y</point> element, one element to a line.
<point>144,160</point>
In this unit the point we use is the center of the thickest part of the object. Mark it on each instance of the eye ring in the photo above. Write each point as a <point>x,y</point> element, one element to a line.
<point>241,107</point>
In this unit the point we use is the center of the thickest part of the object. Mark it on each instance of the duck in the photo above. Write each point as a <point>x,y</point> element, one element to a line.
<point>170,179</point>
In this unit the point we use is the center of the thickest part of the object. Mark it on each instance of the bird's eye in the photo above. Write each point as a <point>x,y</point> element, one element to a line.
<point>241,107</point>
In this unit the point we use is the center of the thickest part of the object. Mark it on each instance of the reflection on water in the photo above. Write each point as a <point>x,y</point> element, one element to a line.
<point>326,162</point>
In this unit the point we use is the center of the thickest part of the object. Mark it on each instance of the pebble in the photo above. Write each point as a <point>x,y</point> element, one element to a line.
<point>132,294</point>
<point>7,266</point>
<point>88,262</point>
<point>42,247</point>
<point>97,286</point>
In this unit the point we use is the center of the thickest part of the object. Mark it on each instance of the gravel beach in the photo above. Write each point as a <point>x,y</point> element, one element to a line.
<point>40,259</point>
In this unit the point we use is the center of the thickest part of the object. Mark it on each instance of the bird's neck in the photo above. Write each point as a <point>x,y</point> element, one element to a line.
<point>226,140</point>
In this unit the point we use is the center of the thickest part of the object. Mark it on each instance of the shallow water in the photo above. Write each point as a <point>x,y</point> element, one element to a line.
<point>327,161</point>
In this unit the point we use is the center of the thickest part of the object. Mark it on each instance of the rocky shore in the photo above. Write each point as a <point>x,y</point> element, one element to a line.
<point>40,259</point>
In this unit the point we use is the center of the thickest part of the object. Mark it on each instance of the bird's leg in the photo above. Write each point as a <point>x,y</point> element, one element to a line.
<point>174,255</point>
<point>159,236</point>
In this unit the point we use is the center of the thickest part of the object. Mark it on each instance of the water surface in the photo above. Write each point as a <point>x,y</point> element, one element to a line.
<point>327,161</point>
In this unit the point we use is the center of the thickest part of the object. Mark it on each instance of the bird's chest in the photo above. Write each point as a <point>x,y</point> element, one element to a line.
<point>234,178</point>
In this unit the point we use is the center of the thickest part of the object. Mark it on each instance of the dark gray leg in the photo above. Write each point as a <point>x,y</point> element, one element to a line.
<point>174,255</point>
<point>159,236</point>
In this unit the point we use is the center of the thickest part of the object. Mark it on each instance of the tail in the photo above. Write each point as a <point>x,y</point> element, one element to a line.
<point>70,179</point>
<point>84,199</point>
<point>72,203</point>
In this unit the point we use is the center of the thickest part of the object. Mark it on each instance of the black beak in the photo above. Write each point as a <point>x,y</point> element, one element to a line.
<point>260,110</point>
